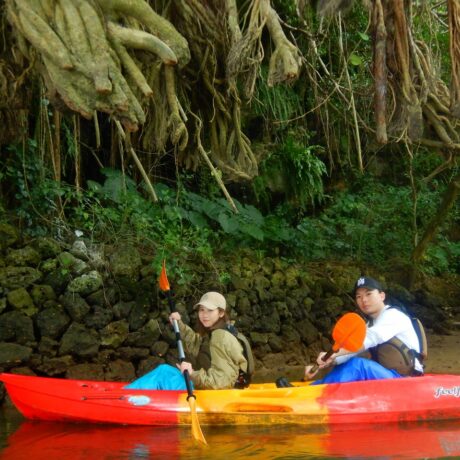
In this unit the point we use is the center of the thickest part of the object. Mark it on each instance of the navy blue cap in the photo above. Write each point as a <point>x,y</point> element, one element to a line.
<point>367,283</point>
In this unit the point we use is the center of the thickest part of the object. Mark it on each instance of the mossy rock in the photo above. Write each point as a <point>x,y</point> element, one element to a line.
<point>9,236</point>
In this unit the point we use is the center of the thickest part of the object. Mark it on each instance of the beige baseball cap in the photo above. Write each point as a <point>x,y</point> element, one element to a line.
<point>212,300</point>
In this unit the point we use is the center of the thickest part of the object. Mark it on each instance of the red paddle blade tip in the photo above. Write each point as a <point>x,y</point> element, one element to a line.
<point>163,281</point>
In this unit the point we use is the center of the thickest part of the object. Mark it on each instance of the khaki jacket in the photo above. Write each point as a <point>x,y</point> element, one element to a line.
<point>226,358</point>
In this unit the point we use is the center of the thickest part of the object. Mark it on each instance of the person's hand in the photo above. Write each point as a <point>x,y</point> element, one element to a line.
<point>322,364</point>
<point>175,315</point>
<point>185,366</point>
<point>309,374</point>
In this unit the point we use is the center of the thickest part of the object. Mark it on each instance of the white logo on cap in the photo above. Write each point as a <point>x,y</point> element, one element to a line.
<point>360,282</point>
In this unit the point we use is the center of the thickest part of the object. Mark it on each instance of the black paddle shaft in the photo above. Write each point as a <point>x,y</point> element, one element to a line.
<point>324,358</point>
<point>180,347</point>
<point>327,355</point>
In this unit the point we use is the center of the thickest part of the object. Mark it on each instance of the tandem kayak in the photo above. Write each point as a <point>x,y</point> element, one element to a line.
<point>431,397</point>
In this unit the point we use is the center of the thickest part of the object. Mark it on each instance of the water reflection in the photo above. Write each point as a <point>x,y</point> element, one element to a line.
<point>53,441</point>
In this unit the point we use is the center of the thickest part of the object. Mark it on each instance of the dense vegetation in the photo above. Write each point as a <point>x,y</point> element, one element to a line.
<point>374,220</point>
<point>297,155</point>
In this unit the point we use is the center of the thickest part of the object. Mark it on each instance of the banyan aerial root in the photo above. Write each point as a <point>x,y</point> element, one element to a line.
<point>84,52</point>
<point>123,58</point>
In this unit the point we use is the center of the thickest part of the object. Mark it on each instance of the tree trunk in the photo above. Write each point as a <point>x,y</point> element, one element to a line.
<point>448,201</point>
<point>380,71</point>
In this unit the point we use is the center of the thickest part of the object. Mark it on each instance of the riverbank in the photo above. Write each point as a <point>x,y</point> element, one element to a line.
<point>83,310</point>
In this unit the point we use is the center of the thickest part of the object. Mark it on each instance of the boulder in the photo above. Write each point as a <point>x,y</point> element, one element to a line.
<point>85,371</point>
<point>79,341</point>
<point>16,326</point>
<point>146,336</point>
<point>99,317</point>
<point>9,236</point>
<point>75,306</point>
<point>126,262</point>
<point>120,371</point>
<point>55,366</point>
<point>41,293</point>
<point>23,257</point>
<point>52,322</point>
<point>13,355</point>
<point>19,277</point>
<point>114,334</point>
<point>48,248</point>
<point>20,299</point>
<point>86,283</point>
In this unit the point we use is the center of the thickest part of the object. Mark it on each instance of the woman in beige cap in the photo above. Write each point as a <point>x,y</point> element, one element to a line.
<point>219,360</point>
<point>218,357</point>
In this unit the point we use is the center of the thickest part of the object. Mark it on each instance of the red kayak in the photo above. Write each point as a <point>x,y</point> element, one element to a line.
<point>431,397</point>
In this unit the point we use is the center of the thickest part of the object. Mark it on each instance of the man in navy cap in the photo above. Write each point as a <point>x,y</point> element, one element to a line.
<point>391,341</point>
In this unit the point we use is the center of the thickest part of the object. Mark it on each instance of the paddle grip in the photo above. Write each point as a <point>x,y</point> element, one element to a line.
<point>180,347</point>
<point>172,308</point>
<point>325,357</point>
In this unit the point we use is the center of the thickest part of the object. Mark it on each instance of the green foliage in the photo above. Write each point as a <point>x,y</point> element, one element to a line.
<point>243,227</point>
<point>371,222</point>
<point>295,170</point>
<point>425,161</point>
<point>374,224</point>
<point>442,257</point>
<point>364,226</point>
<point>35,192</point>
<point>279,103</point>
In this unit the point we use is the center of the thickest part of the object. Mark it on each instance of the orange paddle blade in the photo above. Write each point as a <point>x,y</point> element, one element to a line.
<point>196,428</point>
<point>349,332</point>
<point>163,281</point>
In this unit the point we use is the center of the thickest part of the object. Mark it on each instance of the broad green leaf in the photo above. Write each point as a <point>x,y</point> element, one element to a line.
<point>196,219</point>
<point>254,214</point>
<point>228,223</point>
<point>93,185</point>
<point>355,59</point>
<point>252,230</point>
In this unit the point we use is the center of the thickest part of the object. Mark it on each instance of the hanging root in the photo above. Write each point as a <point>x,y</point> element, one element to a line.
<point>421,96</point>
<point>99,47</point>
<point>179,133</point>
<point>246,52</point>
<point>159,26</point>
<point>380,71</point>
<point>137,39</point>
<point>453,8</point>
<point>285,60</point>
<point>131,68</point>
<point>229,52</point>
<point>123,58</point>
<point>41,36</point>
<point>87,60</point>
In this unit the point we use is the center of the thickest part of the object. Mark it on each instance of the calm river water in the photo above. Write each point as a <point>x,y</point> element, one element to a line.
<point>25,440</point>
